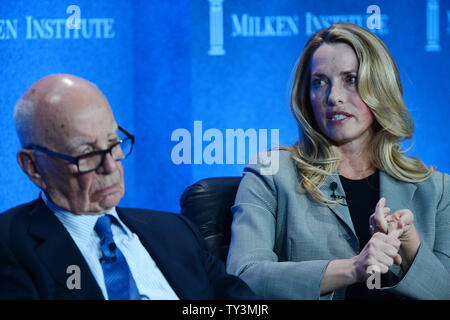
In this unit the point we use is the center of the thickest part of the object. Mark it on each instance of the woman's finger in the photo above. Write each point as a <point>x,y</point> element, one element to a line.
<point>382,253</point>
<point>392,240</point>
<point>379,216</point>
<point>404,215</point>
<point>398,259</point>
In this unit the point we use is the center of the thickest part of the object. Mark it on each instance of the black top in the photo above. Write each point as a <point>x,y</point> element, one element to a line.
<point>362,197</point>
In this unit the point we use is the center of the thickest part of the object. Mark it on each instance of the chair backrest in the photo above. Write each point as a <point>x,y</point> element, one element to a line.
<point>207,203</point>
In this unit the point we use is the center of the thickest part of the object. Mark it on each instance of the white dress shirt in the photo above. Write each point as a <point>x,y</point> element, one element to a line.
<point>150,281</point>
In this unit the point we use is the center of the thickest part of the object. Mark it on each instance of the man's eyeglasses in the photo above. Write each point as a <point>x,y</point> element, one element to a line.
<point>93,160</point>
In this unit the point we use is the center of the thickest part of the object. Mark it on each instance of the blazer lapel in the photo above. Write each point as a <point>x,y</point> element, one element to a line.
<point>398,194</point>
<point>340,210</point>
<point>58,251</point>
<point>152,238</point>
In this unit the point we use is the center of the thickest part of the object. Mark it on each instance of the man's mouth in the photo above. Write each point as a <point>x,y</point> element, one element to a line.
<point>108,190</point>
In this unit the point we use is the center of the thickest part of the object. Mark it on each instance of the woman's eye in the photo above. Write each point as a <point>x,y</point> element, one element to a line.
<point>318,83</point>
<point>351,79</point>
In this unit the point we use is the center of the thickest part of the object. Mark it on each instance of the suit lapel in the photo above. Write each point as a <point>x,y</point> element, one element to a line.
<point>58,251</point>
<point>340,210</point>
<point>398,194</point>
<point>152,238</point>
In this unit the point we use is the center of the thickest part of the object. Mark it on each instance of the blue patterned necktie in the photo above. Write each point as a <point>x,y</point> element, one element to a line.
<point>119,281</point>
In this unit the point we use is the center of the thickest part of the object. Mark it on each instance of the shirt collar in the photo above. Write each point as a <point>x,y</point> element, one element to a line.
<point>81,225</point>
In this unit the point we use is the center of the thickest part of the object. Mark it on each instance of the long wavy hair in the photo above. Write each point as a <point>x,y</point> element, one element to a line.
<point>380,88</point>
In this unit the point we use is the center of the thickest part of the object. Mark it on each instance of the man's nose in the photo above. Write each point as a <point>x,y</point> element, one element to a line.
<point>108,165</point>
<point>335,95</point>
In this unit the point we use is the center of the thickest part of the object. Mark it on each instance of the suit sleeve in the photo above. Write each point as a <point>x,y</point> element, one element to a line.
<point>252,256</point>
<point>226,286</point>
<point>15,284</point>
<point>429,275</point>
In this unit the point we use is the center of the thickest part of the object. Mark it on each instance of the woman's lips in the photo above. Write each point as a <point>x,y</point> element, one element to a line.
<point>338,121</point>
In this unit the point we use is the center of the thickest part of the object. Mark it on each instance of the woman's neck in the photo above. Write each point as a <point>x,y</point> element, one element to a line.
<point>356,160</point>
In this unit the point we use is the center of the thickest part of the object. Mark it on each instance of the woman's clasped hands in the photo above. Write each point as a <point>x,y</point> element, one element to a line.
<point>394,241</point>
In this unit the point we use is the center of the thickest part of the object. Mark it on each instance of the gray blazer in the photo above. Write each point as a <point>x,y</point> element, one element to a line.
<point>282,240</point>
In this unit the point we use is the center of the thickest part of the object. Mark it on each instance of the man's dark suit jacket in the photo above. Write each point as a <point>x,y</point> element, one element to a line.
<point>36,249</point>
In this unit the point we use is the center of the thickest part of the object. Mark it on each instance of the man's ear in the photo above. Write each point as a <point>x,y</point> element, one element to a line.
<point>27,161</point>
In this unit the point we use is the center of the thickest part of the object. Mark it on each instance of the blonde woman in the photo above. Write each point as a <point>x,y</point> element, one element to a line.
<point>346,200</point>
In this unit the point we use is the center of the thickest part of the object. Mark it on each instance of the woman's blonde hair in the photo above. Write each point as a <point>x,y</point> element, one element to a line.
<point>380,88</point>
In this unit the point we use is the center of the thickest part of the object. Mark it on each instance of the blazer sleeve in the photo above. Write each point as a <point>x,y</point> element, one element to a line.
<point>15,284</point>
<point>225,286</point>
<point>254,236</point>
<point>429,275</point>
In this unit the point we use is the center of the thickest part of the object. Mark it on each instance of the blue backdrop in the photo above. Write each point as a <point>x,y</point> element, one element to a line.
<point>183,74</point>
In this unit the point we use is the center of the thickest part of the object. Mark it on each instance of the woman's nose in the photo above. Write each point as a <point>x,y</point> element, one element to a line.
<point>335,95</point>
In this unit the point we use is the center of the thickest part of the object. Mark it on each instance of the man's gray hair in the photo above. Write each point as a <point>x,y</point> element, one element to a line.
<point>23,119</point>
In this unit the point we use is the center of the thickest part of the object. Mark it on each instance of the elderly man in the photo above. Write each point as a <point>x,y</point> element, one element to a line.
<point>73,242</point>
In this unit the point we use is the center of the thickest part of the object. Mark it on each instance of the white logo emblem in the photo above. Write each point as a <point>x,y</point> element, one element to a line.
<point>432,26</point>
<point>216,28</point>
